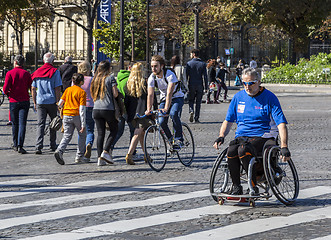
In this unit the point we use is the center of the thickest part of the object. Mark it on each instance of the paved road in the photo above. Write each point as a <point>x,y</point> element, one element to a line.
<point>40,199</point>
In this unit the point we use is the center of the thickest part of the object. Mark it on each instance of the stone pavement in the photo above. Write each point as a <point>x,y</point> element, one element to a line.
<point>39,197</point>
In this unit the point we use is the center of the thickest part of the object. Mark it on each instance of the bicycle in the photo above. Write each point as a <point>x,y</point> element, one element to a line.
<point>156,145</point>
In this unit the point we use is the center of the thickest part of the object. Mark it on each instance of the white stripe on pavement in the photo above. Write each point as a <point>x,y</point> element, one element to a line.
<point>16,221</point>
<point>259,225</point>
<point>91,195</point>
<point>313,192</point>
<point>20,182</point>
<point>304,194</point>
<point>54,188</point>
<point>328,237</point>
<point>128,225</point>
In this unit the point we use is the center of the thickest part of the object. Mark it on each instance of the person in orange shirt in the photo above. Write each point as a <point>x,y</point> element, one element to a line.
<point>73,102</point>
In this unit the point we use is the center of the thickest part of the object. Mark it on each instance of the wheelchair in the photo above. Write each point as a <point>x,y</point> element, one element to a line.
<point>280,177</point>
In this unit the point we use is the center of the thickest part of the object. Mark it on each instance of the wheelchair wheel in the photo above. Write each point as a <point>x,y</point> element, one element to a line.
<point>282,177</point>
<point>155,148</point>
<point>186,153</point>
<point>220,180</point>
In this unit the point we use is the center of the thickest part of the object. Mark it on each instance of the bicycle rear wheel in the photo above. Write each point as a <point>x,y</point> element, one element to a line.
<point>155,148</point>
<point>186,153</point>
<point>2,97</point>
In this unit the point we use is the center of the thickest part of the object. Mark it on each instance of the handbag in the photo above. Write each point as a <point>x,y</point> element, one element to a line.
<point>56,123</point>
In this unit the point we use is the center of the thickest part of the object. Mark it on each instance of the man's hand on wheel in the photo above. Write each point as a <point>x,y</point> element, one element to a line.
<point>285,154</point>
<point>218,142</point>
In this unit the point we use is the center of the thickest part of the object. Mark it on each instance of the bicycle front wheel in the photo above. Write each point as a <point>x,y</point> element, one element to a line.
<point>155,148</point>
<point>186,153</point>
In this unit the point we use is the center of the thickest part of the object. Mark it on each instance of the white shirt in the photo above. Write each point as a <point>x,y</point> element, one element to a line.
<point>163,86</point>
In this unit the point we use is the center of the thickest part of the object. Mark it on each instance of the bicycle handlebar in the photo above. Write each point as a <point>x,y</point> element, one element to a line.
<point>155,112</point>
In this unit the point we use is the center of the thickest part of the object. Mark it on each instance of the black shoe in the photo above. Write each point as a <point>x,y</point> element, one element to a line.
<point>191,116</point>
<point>9,123</point>
<point>196,121</point>
<point>21,150</point>
<point>237,190</point>
<point>38,152</point>
<point>59,157</point>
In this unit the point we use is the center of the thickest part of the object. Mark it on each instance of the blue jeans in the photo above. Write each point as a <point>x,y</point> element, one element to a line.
<point>89,126</point>
<point>174,113</point>
<point>120,131</point>
<point>19,115</point>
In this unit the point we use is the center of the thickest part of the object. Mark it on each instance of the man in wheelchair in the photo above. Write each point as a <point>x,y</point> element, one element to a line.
<point>260,119</point>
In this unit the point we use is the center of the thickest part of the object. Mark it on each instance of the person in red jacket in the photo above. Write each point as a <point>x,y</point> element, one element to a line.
<point>16,87</point>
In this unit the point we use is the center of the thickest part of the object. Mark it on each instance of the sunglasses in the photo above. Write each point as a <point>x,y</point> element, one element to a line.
<point>250,83</point>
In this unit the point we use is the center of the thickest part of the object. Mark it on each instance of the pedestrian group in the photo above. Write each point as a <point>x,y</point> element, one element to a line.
<point>84,101</point>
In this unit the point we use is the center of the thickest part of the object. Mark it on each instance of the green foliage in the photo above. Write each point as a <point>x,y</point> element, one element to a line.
<point>109,34</point>
<point>305,72</point>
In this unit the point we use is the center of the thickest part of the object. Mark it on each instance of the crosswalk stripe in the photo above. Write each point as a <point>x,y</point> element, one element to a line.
<point>20,182</point>
<point>328,237</point>
<point>11,222</point>
<point>93,195</point>
<point>259,225</point>
<point>128,225</point>
<point>315,191</point>
<point>54,188</point>
<point>304,194</point>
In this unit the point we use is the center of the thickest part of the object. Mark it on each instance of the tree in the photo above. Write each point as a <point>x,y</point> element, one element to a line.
<point>21,17</point>
<point>87,8</point>
<point>295,17</point>
<point>109,34</point>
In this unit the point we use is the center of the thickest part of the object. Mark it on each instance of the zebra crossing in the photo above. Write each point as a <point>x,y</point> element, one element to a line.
<point>106,230</point>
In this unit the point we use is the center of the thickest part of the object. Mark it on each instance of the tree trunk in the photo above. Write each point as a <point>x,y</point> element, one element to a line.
<point>20,45</point>
<point>89,44</point>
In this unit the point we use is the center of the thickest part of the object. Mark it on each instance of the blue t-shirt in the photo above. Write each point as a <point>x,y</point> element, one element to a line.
<point>46,88</point>
<point>256,116</point>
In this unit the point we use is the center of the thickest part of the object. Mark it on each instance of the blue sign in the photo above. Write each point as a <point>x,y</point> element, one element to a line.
<point>104,14</point>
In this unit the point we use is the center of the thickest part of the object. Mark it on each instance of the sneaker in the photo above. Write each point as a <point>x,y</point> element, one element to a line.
<point>107,157</point>
<point>129,160</point>
<point>9,123</point>
<point>59,157</point>
<point>216,102</point>
<point>101,162</point>
<point>38,152</point>
<point>82,160</point>
<point>177,145</point>
<point>21,150</point>
<point>88,150</point>
<point>191,116</point>
<point>237,190</point>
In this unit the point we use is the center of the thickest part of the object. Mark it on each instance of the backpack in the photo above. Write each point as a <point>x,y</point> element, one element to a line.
<point>178,84</point>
